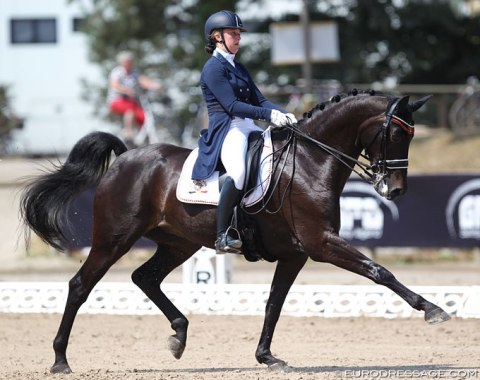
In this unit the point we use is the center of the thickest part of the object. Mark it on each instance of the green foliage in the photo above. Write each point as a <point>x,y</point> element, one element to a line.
<point>443,47</point>
<point>418,41</point>
<point>4,98</point>
<point>8,119</point>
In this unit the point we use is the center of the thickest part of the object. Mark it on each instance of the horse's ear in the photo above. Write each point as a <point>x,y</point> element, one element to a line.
<point>403,102</point>
<point>420,102</point>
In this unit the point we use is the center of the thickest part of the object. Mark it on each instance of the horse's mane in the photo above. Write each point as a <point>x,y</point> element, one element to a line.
<point>334,100</point>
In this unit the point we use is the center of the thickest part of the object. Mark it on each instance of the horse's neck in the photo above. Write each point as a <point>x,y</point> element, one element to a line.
<point>338,128</point>
<point>339,124</point>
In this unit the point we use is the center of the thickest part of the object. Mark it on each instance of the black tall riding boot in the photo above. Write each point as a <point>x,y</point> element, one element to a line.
<point>229,197</point>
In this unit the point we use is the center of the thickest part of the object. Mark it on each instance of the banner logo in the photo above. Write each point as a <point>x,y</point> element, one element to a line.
<point>463,211</point>
<point>363,215</point>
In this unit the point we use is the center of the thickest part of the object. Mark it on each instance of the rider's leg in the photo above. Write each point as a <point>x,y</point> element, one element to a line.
<point>229,197</point>
<point>233,158</point>
<point>235,147</point>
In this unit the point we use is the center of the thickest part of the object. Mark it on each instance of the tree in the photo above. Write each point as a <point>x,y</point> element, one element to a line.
<point>9,120</point>
<point>414,41</point>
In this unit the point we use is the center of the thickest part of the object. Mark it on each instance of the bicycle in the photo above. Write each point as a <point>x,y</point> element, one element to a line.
<point>138,136</point>
<point>148,131</point>
<point>464,114</point>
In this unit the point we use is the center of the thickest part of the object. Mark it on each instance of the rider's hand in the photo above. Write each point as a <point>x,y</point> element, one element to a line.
<point>291,118</point>
<point>278,119</point>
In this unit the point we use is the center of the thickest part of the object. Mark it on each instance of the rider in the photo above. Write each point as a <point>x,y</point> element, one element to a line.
<point>122,93</point>
<point>233,100</point>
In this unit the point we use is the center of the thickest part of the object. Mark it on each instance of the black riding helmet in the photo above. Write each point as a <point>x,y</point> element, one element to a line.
<point>223,20</point>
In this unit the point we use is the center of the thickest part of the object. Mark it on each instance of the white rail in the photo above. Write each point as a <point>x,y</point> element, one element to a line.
<point>239,299</point>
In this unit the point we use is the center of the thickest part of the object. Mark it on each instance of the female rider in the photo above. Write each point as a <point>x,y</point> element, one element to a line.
<point>233,102</point>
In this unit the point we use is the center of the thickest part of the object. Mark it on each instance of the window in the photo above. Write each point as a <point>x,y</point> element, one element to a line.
<point>78,24</point>
<point>33,31</point>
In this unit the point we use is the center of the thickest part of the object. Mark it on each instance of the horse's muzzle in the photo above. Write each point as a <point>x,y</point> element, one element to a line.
<point>390,186</point>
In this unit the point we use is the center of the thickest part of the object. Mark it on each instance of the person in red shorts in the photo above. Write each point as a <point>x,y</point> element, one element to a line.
<point>124,82</point>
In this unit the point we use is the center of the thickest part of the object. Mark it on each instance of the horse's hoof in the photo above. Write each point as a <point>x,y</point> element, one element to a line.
<point>280,366</point>
<point>61,368</point>
<point>175,346</point>
<point>436,315</point>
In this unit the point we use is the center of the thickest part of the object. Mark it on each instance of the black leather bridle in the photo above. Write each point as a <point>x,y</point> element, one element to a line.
<point>377,171</point>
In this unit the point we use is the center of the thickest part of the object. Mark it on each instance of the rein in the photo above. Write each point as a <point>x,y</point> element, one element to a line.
<point>377,171</point>
<point>340,156</point>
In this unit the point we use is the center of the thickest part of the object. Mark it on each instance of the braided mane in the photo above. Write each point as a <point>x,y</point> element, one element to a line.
<point>336,99</point>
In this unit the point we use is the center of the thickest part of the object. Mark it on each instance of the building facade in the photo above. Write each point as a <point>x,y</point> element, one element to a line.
<point>43,60</point>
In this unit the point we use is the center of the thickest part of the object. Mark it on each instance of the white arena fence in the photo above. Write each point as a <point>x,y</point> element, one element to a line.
<point>239,299</point>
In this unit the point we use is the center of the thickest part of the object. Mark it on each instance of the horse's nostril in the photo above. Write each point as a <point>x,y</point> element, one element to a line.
<point>397,191</point>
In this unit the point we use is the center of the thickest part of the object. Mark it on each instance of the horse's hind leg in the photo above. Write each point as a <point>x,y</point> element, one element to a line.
<point>111,240</point>
<point>150,275</point>
<point>80,286</point>
<point>338,252</point>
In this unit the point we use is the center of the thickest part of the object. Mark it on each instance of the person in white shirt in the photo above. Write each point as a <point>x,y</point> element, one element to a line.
<point>124,83</point>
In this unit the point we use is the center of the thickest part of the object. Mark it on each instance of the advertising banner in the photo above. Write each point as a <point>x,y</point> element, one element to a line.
<point>437,211</point>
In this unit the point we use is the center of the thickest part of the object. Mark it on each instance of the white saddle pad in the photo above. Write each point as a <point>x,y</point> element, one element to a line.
<point>187,192</point>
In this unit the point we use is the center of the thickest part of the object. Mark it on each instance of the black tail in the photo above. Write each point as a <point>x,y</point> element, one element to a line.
<point>46,199</point>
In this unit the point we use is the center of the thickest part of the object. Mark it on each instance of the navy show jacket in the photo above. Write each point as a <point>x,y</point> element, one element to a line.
<point>228,91</point>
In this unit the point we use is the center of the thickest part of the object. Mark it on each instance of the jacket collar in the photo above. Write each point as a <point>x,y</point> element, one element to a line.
<point>228,56</point>
<point>228,65</point>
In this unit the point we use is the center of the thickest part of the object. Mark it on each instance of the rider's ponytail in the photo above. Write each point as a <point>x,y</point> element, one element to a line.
<point>211,45</point>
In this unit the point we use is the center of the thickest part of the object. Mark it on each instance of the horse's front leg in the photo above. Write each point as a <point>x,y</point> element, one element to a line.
<point>338,252</point>
<point>285,275</point>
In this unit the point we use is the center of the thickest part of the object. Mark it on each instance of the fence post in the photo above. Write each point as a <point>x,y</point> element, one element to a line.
<point>206,267</point>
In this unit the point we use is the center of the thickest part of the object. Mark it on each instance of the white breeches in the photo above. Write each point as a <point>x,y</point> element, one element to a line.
<point>235,147</point>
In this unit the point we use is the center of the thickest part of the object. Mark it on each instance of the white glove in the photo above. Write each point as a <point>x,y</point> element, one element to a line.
<point>279,119</point>
<point>291,118</point>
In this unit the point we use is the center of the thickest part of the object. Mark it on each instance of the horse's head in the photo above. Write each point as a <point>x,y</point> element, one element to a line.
<point>387,146</point>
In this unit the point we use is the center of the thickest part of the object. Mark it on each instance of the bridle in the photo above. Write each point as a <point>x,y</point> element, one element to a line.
<point>377,171</point>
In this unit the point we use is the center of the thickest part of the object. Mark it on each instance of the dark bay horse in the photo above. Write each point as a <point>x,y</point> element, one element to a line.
<point>136,196</point>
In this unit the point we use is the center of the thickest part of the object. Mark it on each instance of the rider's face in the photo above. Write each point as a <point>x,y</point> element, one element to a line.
<point>232,39</point>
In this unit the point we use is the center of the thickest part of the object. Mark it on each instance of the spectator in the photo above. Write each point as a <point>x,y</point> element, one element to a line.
<point>124,83</point>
